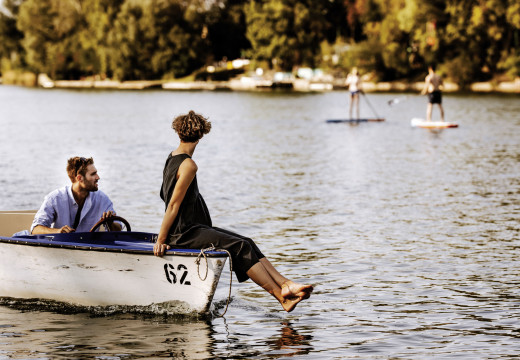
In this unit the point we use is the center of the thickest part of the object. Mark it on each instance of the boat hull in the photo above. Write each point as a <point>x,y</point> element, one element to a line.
<point>122,272</point>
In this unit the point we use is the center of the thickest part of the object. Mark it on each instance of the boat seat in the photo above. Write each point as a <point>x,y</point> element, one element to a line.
<point>13,221</point>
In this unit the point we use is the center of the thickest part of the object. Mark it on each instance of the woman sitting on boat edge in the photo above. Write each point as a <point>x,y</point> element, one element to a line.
<point>187,223</point>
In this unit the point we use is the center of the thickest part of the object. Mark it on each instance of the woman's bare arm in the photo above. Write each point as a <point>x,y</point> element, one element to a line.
<point>185,176</point>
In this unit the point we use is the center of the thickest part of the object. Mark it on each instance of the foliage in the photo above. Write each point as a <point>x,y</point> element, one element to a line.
<point>285,32</point>
<point>154,38</point>
<point>470,40</point>
<point>226,24</point>
<point>94,37</point>
<point>11,50</point>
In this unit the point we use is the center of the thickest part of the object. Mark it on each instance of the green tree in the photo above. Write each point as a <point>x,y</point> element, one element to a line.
<point>153,38</point>
<point>99,15</point>
<point>470,40</point>
<point>400,36</point>
<point>50,30</point>
<point>510,55</point>
<point>182,37</point>
<point>285,32</point>
<point>227,29</point>
<point>11,50</point>
<point>388,34</point>
<point>67,39</point>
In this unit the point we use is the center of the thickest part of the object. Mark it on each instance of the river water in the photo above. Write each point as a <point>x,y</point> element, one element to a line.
<point>410,236</point>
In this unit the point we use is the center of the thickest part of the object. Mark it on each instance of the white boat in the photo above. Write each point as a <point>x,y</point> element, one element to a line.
<point>104,269</point>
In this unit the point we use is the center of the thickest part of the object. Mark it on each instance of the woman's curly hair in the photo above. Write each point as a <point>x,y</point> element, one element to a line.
<point>191,127</point>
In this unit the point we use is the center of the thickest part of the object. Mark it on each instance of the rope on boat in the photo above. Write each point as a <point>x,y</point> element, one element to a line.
<point>197,261</point>
<point>203,254</point>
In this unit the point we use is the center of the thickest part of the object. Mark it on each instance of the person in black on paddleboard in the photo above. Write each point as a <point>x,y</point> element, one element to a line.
<point>433,86</point>
<point>187,223</point>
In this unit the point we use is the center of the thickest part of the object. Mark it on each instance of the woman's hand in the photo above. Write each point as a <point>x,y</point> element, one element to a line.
<point>159,248</point>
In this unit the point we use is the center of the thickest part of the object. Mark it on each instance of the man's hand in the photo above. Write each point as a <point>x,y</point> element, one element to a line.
<point>112,225</point>
<point>108,214</point>
<point>42,229</point>
<point>66,229</point>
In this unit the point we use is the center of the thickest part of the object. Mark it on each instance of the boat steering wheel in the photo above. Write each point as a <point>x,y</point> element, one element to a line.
<point>105,223</point>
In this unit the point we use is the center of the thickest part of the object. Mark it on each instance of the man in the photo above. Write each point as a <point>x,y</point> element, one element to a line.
<point>433,86</point>
<point>77,207</point>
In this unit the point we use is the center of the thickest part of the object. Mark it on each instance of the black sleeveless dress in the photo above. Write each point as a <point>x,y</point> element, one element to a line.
<point>192,228</point>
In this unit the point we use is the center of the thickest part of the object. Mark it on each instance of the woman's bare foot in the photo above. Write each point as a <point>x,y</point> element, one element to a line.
<point>290,304</point>
<point>292,289</point>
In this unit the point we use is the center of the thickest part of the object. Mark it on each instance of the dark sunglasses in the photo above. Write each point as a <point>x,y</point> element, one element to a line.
<point>82,161</point>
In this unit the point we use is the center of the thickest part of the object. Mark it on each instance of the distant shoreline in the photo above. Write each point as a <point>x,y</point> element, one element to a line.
<point>258,84</point>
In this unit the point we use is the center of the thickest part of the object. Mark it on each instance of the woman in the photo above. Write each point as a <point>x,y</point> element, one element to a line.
<point>187,222</point>
<point>354,86</point>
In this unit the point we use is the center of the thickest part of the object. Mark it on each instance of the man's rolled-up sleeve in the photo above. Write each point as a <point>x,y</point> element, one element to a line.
<point>46,214</point>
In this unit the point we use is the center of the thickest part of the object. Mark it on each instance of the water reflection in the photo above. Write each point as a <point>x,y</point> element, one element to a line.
<point>82,336</point>
<point>65,334</point>
<point>289,343</point>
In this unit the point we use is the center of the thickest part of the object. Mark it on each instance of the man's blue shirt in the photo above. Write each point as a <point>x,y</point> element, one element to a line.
<point>59,209</point>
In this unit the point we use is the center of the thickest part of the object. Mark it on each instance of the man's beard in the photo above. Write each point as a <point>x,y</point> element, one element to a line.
<point>92,187</point>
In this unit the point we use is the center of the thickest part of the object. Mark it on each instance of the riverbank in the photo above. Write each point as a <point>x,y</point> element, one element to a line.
<point>246,83</point>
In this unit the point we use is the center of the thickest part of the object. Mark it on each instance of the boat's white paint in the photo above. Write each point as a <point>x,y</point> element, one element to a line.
<point>104,278</point>
<point>417,122</point>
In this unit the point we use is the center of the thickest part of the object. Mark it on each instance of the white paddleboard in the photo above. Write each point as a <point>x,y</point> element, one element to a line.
<point>416,122</point>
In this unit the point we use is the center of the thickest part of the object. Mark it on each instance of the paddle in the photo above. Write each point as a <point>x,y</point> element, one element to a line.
<point>370,105</point>
<point>402,98</point>
<point>397,100</point>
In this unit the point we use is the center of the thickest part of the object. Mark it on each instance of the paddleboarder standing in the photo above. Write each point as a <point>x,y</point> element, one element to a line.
<point>353,82</point>
<point>432,86</point>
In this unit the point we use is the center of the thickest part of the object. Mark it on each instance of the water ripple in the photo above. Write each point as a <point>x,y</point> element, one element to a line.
<point>410,237</point>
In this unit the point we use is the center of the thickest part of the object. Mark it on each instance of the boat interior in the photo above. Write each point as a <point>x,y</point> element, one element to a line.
<point>13,221</point>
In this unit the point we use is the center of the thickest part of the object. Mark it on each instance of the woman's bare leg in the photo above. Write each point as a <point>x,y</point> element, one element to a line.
<point>356,100</point>
<point>289,287</point>
<point>350,108</point>
<point>261,276</point>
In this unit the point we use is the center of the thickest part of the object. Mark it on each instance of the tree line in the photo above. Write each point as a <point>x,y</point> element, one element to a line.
<point>469,40</point>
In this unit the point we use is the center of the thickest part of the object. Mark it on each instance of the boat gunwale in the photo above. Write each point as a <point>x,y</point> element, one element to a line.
<point>49,241</point>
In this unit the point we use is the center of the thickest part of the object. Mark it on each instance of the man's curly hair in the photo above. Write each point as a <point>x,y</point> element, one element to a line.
<point>191,127</point>
<point>78,166</point>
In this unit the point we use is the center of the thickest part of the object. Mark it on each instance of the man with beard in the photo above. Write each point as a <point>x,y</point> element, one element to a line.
<point>77,207</point>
